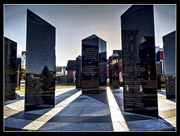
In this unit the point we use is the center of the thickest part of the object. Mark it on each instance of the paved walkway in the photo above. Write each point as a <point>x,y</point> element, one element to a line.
<point>75,111</point>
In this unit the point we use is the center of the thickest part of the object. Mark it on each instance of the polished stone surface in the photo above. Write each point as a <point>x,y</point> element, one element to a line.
<point>169,47</point>
<point>139,64</point>
<point>78,71</point>
<point>94,69</point>
<point>10,63</point>
<point>40,63</point>
<point>114,70</point>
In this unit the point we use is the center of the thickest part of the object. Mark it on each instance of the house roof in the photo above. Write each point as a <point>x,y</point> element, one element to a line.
<point>71,65</point>
<point>119,52</point>
<point>114,55</point>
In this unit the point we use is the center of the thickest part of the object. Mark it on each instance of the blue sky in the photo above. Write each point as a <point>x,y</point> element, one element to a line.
<point>76,22</point>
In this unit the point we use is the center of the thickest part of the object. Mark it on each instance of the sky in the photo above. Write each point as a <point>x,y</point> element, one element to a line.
<point>76,22</point>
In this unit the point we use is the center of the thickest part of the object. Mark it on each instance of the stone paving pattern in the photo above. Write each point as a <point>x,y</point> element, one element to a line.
<point>75,111</point>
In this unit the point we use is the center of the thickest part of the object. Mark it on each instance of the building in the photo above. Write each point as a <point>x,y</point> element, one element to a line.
<point>119,52</point>
<point>23,59</point>
<point>161,57</point>
<point>159,61</point>
<point>71,69</point>
<point>61,70</point>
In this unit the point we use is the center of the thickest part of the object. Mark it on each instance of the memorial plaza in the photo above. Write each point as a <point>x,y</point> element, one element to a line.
<point>75,111</point>
<point>122,92</point>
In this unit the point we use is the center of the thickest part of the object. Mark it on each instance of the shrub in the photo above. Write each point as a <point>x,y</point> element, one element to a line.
<point>69,79</point>
<point>23,73</point>
<point>64,79</point>
<point>61,79</point>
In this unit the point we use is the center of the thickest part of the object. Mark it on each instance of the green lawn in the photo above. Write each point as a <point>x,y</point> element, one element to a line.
<point>163,86</point>
<point>107,83</point>
<point>22,88</point>
<point>61,87</point>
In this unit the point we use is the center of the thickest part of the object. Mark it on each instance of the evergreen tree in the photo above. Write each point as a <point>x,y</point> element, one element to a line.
<point>47,78</point>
